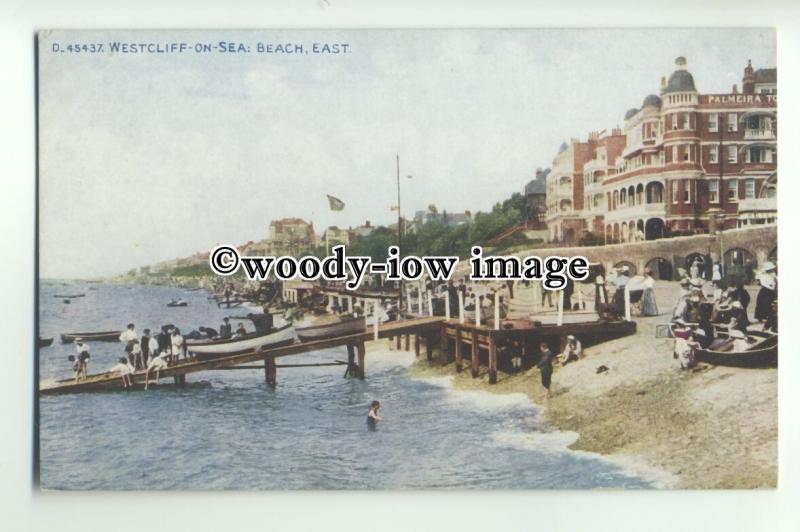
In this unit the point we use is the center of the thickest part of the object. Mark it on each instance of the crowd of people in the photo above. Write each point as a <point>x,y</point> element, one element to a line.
<point>715,316</point>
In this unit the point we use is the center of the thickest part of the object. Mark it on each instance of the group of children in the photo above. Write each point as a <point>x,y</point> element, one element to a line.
<point>152,353</point>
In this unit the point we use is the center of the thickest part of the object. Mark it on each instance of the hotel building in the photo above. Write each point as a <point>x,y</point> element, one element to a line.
<point>684,163</point>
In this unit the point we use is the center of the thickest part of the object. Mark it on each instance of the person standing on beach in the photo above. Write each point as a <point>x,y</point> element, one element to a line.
<point>545,366</point>
<point>372,416</point>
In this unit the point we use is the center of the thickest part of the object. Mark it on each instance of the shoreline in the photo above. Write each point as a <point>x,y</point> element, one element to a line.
<point>710,427</point>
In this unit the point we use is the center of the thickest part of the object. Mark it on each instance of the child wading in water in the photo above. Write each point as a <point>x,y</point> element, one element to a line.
<point>372,416</point>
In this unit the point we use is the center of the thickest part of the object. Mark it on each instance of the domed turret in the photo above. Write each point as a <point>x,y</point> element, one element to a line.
<point>630,112</point>
<point>651,100</point>
<point>680,80</point>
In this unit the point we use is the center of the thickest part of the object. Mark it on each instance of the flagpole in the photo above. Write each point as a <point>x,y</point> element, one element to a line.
<point>399,239</point>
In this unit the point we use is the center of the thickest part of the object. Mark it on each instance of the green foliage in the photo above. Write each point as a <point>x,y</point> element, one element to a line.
<point>194,270</point>
<point>436,238</point>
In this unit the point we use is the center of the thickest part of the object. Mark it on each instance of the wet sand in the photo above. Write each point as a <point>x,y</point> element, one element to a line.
<point>710,427</point>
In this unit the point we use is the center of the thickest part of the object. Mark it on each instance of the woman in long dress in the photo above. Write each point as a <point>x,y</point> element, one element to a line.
<point>767,294</point>
<point>649,306</point>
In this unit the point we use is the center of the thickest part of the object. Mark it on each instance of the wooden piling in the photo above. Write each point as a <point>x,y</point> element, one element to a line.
<point>416,345</point>
<point>362,355</point>
<point>351,361</point>
<point>474,355</point>
<point>459,361</point>
<point>492,359</point>
<point>397,342</point>
<point>270,371</point>
<point>407,341</point>
<point>444,346</point>
<point>428,346</point>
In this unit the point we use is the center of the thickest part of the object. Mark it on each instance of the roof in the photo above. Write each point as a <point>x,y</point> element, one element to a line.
<point>630,112</point>
<point>766,75</point>
<point>535,186</point>
<point>289,221</point>
<point>651,100</point>
<point>680,81</point>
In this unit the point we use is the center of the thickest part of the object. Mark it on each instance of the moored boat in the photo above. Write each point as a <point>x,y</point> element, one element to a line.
<point>44,342</point>
<point>102,336</point>
<point>234,346</point>
<point>177,304</point>
<point>331,330</point>
<point>69,296</point>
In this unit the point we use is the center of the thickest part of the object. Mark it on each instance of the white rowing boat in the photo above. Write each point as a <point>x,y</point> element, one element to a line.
<point>234,346</point>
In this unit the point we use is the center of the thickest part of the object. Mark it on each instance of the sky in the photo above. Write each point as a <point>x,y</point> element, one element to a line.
<point>148,157</point>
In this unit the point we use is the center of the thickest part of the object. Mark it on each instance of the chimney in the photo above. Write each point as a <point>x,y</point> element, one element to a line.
<point>749,79</point>
<point>735,89</point>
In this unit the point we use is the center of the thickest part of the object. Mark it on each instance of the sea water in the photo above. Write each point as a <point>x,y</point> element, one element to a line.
<point>228,430</point>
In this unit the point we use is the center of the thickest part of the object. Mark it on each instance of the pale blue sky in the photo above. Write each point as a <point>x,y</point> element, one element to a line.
<point>150,157</point>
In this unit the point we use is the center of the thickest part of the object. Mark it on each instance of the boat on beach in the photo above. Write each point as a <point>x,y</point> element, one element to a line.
<point>102,336</point>
<point>68,296</point>
<point>762,354</point>
<point>44,342</point>
<point>331,330</point>
<point>179,303</point>
<point>234,346</point>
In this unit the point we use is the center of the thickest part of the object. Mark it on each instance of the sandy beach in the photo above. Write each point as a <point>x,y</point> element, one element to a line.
<point>710,427</point>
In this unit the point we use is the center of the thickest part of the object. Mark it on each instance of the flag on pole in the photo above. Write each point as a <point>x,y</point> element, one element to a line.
<point>335,203</point>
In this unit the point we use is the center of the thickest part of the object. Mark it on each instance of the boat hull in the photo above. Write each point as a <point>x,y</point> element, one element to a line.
<point>764,355</point>
<point>104,336</point>
<point>219,348</point>
<point>44,342</point>
<point>331,330</point>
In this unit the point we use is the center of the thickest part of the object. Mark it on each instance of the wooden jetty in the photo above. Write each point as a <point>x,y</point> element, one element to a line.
<point>518,337</point>
<point>427,327</point>
<point>487,342</point>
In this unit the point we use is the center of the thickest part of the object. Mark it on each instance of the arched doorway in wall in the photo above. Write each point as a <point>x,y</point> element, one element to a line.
<point>624,229</point>
<point>661,268</point>
<point>739,265</point>
<point>639,194</point>
<point>616,232</point>
<point>695,264</point>
<point>624,263</point>
<point>654,229</point>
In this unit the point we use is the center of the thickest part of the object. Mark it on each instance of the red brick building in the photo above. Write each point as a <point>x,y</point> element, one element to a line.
<point>690,163</point>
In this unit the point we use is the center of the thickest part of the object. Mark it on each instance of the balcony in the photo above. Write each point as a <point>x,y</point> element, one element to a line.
<point>758,204</point>
<point>759,134</point>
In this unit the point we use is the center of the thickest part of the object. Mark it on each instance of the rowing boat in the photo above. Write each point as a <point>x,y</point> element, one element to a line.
<point>103,336</point>
<point>763,354</point>
<point>44,342</point>
<point>69,296</point>
<point>331,330</point>
<point>177,304</point>
<point>234,346</point>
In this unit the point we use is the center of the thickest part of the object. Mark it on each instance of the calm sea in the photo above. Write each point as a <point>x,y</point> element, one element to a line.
<point>227,430</point>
